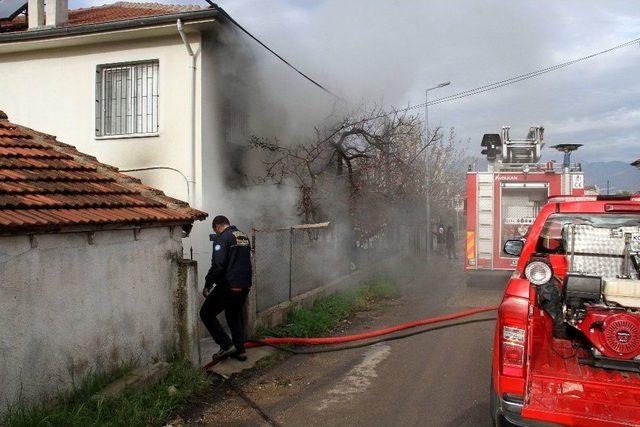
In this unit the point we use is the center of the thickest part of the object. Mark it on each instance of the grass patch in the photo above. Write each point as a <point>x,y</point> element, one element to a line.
<point>329,311</point>
<point>153,406</point>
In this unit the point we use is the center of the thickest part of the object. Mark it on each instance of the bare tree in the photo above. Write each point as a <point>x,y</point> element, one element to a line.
<point>368,168</point>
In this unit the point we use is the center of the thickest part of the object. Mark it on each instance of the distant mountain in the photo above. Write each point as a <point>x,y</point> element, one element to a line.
<point>621,176</point>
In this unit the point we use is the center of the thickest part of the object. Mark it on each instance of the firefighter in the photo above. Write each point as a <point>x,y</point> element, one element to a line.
<point>440,239</point>
<point>450,240</point>
<point>231,273</point>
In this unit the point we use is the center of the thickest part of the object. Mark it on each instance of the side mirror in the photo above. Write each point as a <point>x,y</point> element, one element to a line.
<point>513,247</point>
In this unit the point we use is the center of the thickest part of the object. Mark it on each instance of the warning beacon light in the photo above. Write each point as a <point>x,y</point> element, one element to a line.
<point>492,145</point>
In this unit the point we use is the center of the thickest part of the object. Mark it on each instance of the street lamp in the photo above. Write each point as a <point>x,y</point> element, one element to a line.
<point>426,156</point>
<point>426,105</point>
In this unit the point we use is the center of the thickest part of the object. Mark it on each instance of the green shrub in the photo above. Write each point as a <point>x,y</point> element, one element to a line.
<point>327,312</point>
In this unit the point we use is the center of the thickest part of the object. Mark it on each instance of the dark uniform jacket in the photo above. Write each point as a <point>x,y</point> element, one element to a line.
<point>449,237</point>
<point>231,260</point>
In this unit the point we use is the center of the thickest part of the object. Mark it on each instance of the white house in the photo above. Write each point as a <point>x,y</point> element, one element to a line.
<point>140,86</point>
<point>91,268</point>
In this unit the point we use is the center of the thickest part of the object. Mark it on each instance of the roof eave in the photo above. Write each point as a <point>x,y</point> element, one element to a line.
<point>88,228</point>
<point>128,24</point>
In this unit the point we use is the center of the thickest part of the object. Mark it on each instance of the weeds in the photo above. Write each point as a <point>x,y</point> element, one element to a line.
<point>153,406</point>
<point>329,311</point>
<point>157,405</point>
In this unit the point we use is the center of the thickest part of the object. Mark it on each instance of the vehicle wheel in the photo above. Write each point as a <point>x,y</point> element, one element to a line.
<point>503,422</point>
<point>493,405</point>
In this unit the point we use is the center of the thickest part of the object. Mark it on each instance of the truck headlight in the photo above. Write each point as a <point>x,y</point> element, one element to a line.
<point>538,272</point>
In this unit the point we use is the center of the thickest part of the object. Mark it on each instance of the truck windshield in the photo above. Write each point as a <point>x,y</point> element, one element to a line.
<point>520,207</point>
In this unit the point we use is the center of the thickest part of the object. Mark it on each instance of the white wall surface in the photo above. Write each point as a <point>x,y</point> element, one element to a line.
<point>68,307</point>
<point>53,91</point>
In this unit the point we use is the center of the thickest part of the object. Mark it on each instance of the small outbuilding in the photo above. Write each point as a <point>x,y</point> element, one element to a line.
<point>91,268</point>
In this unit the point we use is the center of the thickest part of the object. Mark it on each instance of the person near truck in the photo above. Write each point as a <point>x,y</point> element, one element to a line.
<point>450,239</point>
<point>231,274</point>
<point>440,239</point>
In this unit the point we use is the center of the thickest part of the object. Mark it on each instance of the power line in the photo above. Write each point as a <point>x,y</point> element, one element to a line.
<point>509,81</point>
<point>293,67</point>
<point>500,83</point>
<point>521,77</point>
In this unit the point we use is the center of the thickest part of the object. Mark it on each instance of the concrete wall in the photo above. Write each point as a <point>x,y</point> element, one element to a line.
<point>187,309</point>
<point>69,307</point>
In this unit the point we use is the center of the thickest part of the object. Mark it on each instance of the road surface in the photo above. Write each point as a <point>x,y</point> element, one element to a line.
<point>435,379</point>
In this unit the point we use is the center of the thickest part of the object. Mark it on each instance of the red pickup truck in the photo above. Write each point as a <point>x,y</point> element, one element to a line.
<point>567,338</point>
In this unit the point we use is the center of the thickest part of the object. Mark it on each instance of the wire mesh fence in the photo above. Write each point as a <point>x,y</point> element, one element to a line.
<point>393,242</point>
<point>291,261</point>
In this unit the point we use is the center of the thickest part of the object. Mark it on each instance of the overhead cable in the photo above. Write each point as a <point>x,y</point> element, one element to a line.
<point>290,65</point>
<point>521,77</point>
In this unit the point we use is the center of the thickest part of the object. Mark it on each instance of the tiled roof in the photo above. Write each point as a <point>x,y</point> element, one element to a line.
<point>46,185</point>
<point>118,11</point>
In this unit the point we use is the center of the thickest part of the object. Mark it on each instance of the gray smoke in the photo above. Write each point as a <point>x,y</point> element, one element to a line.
<point>390,51</point>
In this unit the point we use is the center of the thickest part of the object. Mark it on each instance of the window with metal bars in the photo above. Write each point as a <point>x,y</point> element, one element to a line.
<point>127,99</point>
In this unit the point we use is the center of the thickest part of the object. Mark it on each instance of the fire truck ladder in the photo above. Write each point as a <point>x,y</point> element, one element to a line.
<point>485,216</point>
<point>525,150</point>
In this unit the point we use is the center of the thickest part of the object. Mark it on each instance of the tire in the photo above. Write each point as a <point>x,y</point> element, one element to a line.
<point>493,405</point>
<point>503,422</point>
<point>497,419</point>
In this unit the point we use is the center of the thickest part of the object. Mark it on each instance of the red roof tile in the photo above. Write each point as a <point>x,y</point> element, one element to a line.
<point>118,11</point>
<point>46,185</point>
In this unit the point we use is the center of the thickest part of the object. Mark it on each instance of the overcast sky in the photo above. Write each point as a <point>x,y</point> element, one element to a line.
<point>390,51</point>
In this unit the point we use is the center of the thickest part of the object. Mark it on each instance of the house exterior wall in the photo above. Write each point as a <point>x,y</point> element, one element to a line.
<point>53,90</point>
<point>69,308</point>
<point>64,80</point>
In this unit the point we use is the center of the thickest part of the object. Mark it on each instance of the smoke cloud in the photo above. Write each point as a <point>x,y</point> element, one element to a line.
<point>391,51</point>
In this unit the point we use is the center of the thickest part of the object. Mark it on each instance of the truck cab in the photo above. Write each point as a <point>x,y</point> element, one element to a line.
<point>567,338</point>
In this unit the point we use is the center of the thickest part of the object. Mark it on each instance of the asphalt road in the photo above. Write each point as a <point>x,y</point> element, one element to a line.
<point>435,379</point>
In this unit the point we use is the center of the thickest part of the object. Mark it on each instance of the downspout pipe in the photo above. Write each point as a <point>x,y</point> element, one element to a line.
<point>191,177</point>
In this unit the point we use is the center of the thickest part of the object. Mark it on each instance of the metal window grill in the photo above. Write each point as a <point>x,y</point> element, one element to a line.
<point>127,98</point>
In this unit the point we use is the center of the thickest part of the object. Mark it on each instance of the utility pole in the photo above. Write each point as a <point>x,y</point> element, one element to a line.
<point>426,162</point>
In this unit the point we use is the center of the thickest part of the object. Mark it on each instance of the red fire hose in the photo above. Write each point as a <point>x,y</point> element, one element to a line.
<point>370,334</point>
<point>365,335</point>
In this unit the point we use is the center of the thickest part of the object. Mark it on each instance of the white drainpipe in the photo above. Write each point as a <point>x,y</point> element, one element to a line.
<point>192,115</point>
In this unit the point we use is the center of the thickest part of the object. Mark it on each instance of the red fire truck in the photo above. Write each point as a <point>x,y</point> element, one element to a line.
<point>503,202</point>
